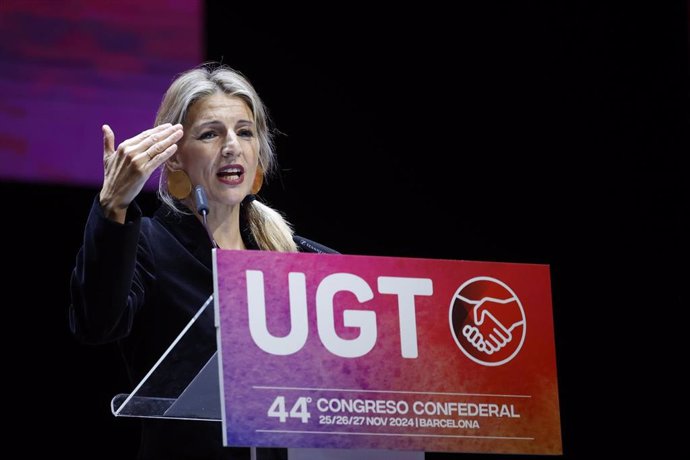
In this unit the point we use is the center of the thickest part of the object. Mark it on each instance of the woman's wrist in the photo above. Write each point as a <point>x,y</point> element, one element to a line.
<point>112,212</point>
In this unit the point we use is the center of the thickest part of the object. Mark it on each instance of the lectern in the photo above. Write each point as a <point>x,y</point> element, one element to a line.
<point>368,357</point>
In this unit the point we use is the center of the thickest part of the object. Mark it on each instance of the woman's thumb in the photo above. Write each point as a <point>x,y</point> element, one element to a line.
<point>108,140</point>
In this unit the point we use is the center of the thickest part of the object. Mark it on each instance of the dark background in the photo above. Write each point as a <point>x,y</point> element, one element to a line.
<point>519,132</point>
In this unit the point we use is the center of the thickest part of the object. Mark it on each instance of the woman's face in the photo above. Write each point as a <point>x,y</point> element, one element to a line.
<point>220,149</point>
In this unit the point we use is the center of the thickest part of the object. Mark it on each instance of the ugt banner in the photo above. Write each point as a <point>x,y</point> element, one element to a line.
<point>341,351</point>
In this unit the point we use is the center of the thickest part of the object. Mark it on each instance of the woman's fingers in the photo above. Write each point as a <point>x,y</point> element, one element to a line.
<point>154,144</point>
<point>158,143</point>
<point>132,141</point>
<point>145,147</point>
<point>162,157</point>
<point>108,141</point>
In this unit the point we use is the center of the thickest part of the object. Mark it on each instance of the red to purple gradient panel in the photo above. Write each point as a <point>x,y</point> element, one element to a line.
<point>339,351</point>
<point>70,67</point>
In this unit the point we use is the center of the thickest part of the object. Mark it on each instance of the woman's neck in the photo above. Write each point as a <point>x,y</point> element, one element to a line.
<point>228,236</point>
<point>224,226</point>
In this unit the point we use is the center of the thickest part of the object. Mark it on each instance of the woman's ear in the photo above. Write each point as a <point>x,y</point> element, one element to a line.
<point>173,163</point>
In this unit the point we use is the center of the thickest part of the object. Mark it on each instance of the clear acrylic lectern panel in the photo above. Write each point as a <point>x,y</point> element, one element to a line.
<point>174,388</point>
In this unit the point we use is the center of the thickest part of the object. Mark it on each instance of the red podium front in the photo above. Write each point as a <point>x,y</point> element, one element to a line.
<point>359,352</point>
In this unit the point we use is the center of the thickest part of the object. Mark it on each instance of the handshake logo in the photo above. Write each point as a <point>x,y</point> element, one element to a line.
<point>487,321</point>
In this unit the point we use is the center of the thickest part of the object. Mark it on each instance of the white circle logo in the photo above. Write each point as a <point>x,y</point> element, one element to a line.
<point>487,321</point>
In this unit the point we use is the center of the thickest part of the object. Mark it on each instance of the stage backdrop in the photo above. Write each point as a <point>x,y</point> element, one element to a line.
<point>69,67</point>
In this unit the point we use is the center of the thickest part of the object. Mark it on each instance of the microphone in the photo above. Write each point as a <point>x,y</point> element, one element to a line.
<point>200,200</point>
<point>306,245</point>
<point>202,208</point>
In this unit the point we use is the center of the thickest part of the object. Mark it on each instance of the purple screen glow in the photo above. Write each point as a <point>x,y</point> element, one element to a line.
<point>69,67</point>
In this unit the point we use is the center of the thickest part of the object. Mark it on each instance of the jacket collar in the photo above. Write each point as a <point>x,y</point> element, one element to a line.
<point>190,232</point>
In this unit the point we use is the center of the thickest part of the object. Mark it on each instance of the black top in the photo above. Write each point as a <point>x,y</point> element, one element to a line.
<point>139,284</point>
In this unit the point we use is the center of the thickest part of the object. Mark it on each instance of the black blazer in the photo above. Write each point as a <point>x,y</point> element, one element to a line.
<point>139,284</point>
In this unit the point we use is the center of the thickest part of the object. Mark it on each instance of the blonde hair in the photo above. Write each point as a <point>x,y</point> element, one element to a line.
<point>268,227</point>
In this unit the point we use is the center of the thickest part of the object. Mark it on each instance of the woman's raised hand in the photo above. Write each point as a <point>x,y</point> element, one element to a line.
<point>127,169</point>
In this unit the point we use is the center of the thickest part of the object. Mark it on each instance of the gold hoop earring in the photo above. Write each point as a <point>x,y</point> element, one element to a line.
<point>179,185</point>
<point>258,181</point>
